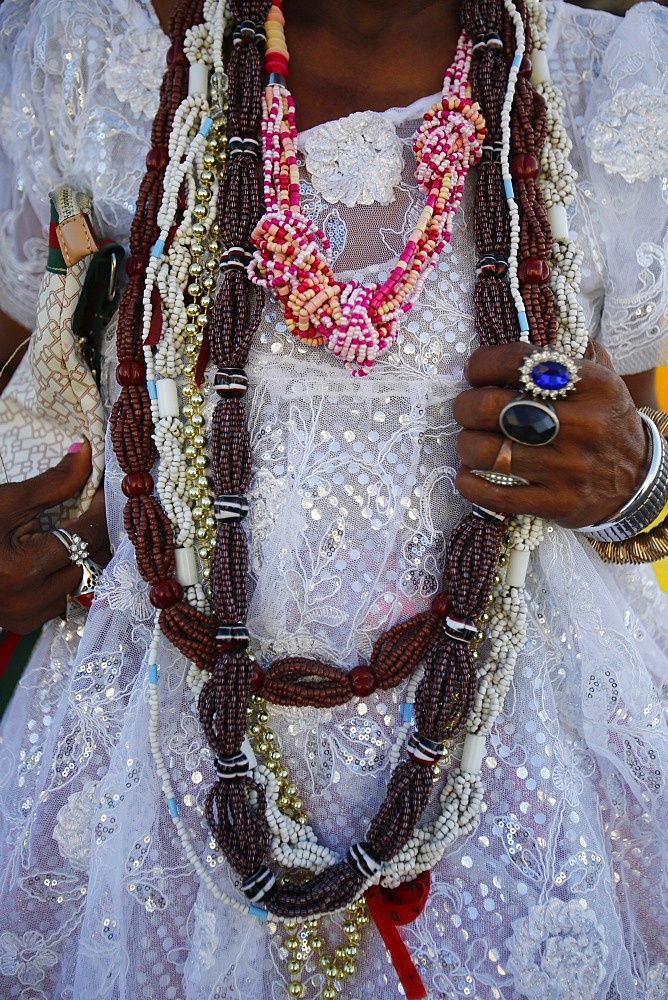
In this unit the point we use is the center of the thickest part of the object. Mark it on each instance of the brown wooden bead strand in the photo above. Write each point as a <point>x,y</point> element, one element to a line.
<point>301,681</point>
<point>240,830</point>
<point>239,827</point>
<point>528,136</point>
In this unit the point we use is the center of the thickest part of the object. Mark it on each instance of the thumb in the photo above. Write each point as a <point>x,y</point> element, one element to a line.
<point>596,352</point>
<point>22,502</point>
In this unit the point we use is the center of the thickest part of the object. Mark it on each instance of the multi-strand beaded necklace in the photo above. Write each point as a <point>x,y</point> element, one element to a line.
<point>189,298</point>
<point>293,258</point>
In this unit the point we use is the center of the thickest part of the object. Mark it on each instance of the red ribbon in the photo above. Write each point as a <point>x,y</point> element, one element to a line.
<point>155,329</point>
<point>202,358</point>
<point>382,914</point>
<point>54,243</point>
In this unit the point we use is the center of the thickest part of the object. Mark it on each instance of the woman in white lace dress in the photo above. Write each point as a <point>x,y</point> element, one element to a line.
<point>561,889</point>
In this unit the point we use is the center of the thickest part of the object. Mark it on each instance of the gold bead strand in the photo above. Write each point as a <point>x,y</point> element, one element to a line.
<point>265,744</point>
<point>299,944</point>
<point>202,276</point>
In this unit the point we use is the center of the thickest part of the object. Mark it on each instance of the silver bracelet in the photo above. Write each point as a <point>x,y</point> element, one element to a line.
<point>647,503</point>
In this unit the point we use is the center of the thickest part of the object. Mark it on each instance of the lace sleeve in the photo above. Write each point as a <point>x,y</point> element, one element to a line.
<point>23,211</point>
<point>614,77</point>
<point>79,85</point>
<point>626,139</point>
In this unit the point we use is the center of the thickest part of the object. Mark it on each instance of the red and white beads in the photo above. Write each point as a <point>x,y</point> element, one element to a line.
<point>293,258</point>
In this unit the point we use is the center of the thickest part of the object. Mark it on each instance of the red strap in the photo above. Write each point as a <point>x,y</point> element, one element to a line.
<point>8,643</point>
<point>53,235</point>
<point>155,329</point>
<point>409,977</point>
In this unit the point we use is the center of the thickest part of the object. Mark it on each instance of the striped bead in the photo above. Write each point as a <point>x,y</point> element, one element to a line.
<point>236,766</point>
<point>423,750</point>
<point>230,382</point>
<point>235,257</point>
<point>237,144</point>
<point>459,628</point>
<point>230,507</point>
<point>237,635</point>
<point>258,884</point>
<point>362,860</point>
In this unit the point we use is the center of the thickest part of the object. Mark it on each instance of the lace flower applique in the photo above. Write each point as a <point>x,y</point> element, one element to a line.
<point>657,982</point>
<point>629,135</point>
<point>558,951</point>
<point>26,957</point>
<point>356,160</point>
<point>135,62</point>
<point>74,822</point>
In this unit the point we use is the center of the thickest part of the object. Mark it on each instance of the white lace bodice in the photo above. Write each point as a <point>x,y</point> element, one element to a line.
<point>351,501</point>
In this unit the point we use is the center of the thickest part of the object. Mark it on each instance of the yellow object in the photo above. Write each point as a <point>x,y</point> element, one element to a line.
<point>661,567</point>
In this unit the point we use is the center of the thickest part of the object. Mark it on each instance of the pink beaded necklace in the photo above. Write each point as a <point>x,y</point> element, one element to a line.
<point>356,322</point>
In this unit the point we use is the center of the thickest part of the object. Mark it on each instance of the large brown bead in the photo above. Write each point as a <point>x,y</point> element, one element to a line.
<point>137,484</point>
<point>534,271</point>
<point>257,680</point>
<point>157,158</point>
<point>130,373</point>
<point>362,680</point>
<point>135,265</point>
<point>440,604</point>
<point>524,166</point>
<point>165,593</point>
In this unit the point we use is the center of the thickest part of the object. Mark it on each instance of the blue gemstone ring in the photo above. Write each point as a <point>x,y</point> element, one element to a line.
<point>529,421</point>
<point>548,374</point>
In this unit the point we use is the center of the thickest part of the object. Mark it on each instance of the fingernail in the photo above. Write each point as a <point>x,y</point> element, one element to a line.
<point>74,447</point>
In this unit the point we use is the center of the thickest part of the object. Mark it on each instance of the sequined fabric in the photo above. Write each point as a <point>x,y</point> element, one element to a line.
<point>560,891</point>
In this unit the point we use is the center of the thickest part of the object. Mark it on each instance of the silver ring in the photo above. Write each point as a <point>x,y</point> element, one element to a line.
<point>75,545</point>
<point>91,575</point>
<point>500,478</point>
<point>548,374</point>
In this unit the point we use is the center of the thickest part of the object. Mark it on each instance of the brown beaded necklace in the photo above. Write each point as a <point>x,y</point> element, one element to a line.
<point>235,804</point>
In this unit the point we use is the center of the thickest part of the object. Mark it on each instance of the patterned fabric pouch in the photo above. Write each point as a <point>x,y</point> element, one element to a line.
<point>53,397</point>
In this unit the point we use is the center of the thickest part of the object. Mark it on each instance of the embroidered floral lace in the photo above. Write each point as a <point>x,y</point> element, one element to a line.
<point>560,892</point>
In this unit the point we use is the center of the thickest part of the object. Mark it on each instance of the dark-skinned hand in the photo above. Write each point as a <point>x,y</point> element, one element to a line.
<point>591,469</point>
<point>36,574</point>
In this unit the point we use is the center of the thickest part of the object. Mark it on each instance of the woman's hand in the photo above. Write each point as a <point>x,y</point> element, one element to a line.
<point>586,474</point>
<point>36,574</point>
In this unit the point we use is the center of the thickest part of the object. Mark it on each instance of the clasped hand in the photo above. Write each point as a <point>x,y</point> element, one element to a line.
<point>586,474</point>
<point>36,574</point>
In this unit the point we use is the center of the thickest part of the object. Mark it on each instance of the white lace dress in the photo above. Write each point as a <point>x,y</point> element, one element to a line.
<point>562,890</point>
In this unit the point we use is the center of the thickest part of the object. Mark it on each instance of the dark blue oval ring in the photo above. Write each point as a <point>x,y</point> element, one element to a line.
<point>547,374</point>
<point>529,421</point>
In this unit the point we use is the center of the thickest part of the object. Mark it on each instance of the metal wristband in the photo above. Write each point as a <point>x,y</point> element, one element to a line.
<point>647,503</point>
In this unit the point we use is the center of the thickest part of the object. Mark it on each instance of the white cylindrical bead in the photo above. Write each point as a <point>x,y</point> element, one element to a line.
<point>540,72</point>
<point>472,754</point>
<point>186,566</point>
<point>558,219</point>
<point>168,398</point>
<point>198,79</point>
<point>516,570</point>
